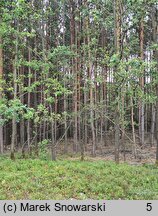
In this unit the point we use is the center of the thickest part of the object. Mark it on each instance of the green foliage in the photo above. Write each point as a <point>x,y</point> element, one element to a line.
<point>43,149</point>
<point>29,114</point>
<point>56,64</point>
<point>57,89</point>
<point>114,61</point>
<point>36,179</point>
<point>60,55</point>
<point>3,108</point>
<point>14,108</point>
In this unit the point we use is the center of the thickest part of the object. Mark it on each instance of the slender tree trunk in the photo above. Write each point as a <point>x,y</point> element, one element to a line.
<point>65,96</point>
<point>53,143</point>
<point>22,123</point>
<point>65,122</point>
<point>74,72</point>
<point>14,124</point>
<point>157,121</point>
<point>85,96</point>
<point>155,56</point>
<point>91,96</point>
<point>117,134</point>
<point>29,103</point>
<point>122,124</point>
<point>35,105</point>
<point>133,127</point>
<point>55,121</point>
<point>117,48</point>
<point>1,77</point>
<point>76,134</point>
<point>152,131</point>
<point>53,147</point>
<point>141,106</point>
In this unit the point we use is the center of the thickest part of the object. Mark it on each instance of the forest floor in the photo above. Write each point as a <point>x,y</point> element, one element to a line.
<point>145,154</point>
<point>73,179</point>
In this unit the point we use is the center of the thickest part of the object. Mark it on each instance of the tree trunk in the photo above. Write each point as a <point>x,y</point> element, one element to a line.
<point>155,56</point>
<point>22,123</point>
<point>117,49</point>
<point>29,103</point>
<point>133,127</point>
<point>152,131</point>
<point>141,105</point>
<point>53,147</point>
<point>1,77</point>
<point>14,124</point>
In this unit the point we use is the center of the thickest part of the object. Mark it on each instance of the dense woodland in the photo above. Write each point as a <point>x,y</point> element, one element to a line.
<point>78,73</point>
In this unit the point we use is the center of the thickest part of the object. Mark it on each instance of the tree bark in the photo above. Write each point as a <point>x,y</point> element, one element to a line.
<point>141,104</point>
<point>155,56</point>
<point>117,14</point>
<point>1,77</point>
<point>14,124</point>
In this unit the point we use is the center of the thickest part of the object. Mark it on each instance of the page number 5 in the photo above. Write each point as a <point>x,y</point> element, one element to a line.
<point>149,206</point>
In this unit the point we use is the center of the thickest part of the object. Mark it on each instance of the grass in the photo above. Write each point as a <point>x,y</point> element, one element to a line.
<point>63,179</point>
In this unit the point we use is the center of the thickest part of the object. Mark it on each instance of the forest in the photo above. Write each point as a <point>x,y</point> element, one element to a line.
<point>79,83</point>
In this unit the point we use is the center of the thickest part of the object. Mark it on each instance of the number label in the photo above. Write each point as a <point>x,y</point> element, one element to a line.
<point>149,207</point>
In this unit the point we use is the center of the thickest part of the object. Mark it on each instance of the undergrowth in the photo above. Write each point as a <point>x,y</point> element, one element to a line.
<point>64,179</point>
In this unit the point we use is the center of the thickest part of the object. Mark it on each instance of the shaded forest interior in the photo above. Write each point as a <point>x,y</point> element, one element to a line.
<point>79,76</point>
